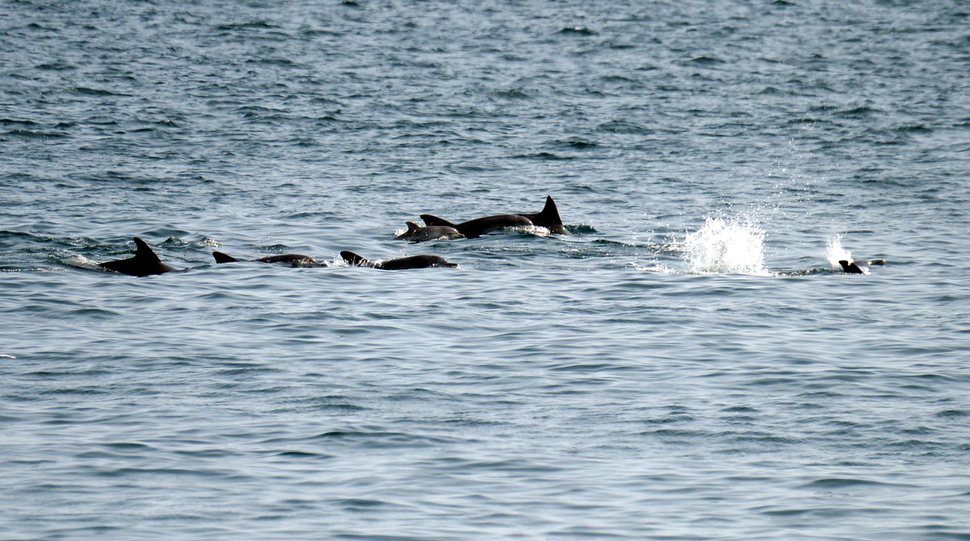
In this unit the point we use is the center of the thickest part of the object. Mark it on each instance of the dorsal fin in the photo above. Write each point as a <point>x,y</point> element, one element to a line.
<point>354,259</point>
<point>549,213</point>
<point>412,227</point>
<point>223,258</point>
<point>434,220</point>
<point>144,252</point>
<point>850,267</point>
<point>549,218</point>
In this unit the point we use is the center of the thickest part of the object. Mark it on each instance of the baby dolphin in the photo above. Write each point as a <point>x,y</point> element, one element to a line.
<point>859,267</point>
<point>143,263</point>
<point>413,262</point>
<point>296,260</point>
<point>416,233</point>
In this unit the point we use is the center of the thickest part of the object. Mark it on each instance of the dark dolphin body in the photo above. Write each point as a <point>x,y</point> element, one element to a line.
<point>859,267</point>
<point>296,260</point>
<point>144,262</point>
<point>479,226</point>
<point>413,262</point>
<point>416,233</point>
<point>548,218</point>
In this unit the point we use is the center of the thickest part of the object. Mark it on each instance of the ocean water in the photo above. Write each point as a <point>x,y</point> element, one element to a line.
<point>691,363</point>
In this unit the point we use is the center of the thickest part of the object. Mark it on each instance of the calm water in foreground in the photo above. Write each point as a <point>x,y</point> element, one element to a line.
<point>689,364</point>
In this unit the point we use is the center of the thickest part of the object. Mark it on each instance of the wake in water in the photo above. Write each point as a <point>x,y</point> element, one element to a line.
<point>726,247</point>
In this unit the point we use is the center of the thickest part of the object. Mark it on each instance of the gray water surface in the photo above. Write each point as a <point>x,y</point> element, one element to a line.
<point>690,364</point>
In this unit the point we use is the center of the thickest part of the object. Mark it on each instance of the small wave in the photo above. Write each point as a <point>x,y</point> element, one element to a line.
<point>544,156</point>
<point>726,247</point>
<point>858,112</point>
<point>208,242</point>
<point>654,267</point>
<point>574,142</point>
<point>622,126</point>
<point>843,482</point>
<point>536,230</point>
<point>5,121</point>
<point>581,229</point>
<point>913,128</point>
<point>244,26</point>
<point>29,134</point>
<point>804,272</point>
<point>705,60</point>
<point>94,91</point>
<point>79,262</point>
<point>511,94</point>
<point>55,66</point>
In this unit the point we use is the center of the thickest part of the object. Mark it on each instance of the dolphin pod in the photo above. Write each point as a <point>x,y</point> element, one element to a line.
<point>145,262</point>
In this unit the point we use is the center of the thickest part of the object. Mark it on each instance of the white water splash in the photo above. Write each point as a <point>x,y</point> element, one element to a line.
<point>727,247</point>
<point>536,230</point>
<point>834,251</point>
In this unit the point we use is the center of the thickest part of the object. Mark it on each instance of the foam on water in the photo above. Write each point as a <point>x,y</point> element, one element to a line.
<point>536,230</point>
<point>726,246</point>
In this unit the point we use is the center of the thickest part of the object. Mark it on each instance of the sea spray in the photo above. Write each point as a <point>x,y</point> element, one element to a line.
<point>726,246</point>
<point>834,251</point>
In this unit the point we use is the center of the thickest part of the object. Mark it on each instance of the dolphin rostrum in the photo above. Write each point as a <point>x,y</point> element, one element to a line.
<point>413,262</point>
<point>143,263</point>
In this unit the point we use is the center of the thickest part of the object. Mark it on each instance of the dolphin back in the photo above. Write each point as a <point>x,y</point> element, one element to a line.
<point>144,263</point>
<point>430,220</point>
<point>415,262</point>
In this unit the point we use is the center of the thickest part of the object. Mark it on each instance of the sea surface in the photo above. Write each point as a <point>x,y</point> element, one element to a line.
<point>690,363</point>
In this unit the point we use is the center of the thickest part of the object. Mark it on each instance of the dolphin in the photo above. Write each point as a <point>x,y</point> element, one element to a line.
<point>479,226</point>
<point>416,233</point>
<point>859,267</point>
<point>144,262</point>
<point>548,217</point>
<point>296,260</point>
<point>413,262</point>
